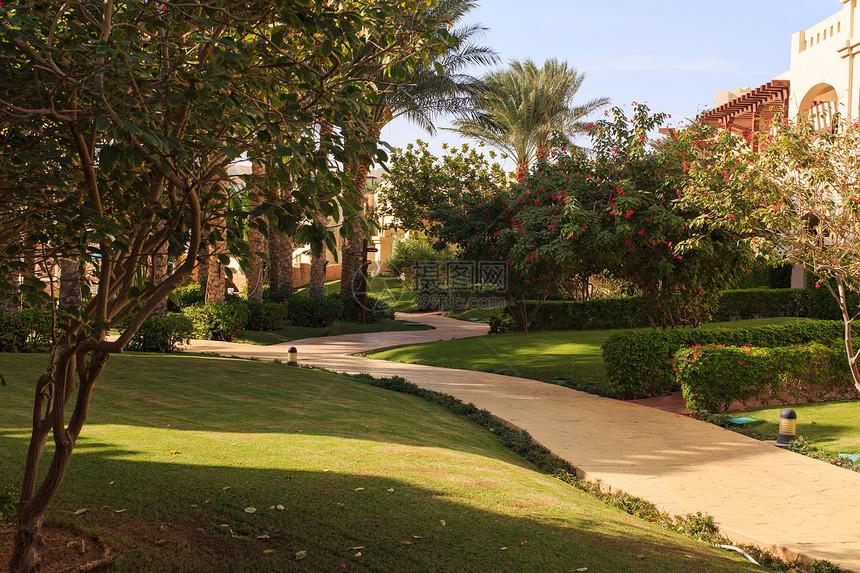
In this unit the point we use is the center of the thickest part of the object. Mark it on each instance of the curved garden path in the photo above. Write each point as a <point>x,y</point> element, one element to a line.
<point>756,492</point>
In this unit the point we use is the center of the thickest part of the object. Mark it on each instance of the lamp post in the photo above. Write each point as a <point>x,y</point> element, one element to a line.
<point>292,356</point>
<point>365,263</point>
<point>787,427</point>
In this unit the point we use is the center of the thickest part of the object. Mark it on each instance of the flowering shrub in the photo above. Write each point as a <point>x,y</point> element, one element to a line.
<point>25,331</point>
<point>713,377</point>
<point>639,364</point>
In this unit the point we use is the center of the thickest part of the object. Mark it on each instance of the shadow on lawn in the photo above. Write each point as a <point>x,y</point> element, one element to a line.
<point>200,511</point>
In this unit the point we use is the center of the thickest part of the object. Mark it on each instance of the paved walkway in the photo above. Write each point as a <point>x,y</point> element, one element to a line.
<point>756,492</point>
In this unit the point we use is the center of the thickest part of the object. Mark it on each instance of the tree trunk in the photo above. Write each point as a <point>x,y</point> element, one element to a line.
<point>216,279</point>
<point>201,271</point>
<point>280,264</point>
<point>256,241</point>
<point>159,272</point>
<point>316,288</point>
<point>70,285</point>
<point>352,251</point>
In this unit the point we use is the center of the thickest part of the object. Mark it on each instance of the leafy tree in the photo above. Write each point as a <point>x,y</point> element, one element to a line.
<point>794,199</point>
<point>418,183</point>
<point>117,124</point>
<point>518,107</point>
<point>644,227</point>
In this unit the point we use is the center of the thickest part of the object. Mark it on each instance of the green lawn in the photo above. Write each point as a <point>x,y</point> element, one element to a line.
<point>289,332</point>
<point>571,355</point>
<point>829,426</point>
<point>177,447</point>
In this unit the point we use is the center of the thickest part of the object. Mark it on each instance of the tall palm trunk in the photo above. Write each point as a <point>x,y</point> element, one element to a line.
<point>281,256</point>
<point>256,243</point>
<point>216,278</point>
<point>316,288</point>
<point>352,251</point>
<point>70,285</point>
<point>159,273</point>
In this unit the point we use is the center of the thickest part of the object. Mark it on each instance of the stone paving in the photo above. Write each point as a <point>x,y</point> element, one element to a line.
<point>756,492</point>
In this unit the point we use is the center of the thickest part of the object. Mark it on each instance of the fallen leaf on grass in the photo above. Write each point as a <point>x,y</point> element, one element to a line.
<point>504,549</point>
<point>174,452</point>
<point>357,548</point>
<point>405,543</point>
<point>442,522</point>
<point>268,551</point>
<point>226,487</point>
<point>279,506</point>
<point>357,554</point>
<point>390,490</point>
<point>119,510</point>
<point>225,525</point>
<point>640,556</point>
<point>359,489</point>
<point>161,543</point>
<point>82,510</point>
<point>250,510</point>
<point>301,555</point>
<point>72,544</point>
<point>263,537</point>
<point>417,537</point>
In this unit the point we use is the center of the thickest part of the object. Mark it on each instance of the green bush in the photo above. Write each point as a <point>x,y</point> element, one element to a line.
<point>188,295</point>
<point>822,305</point>
<point>217,321</point>
<point>25,331</point>
<point>375,311</point>
<point>713,377</point>
<point>415,249</point>
<point>597,314</point>
<point>639,364</point>
<point>313,312</point>
<point>628,312</point>
<point>759,303</point>
<point>158,334</point>
<point>264,315</point>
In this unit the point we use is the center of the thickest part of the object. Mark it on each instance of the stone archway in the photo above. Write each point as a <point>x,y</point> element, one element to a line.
<point>820,105</point>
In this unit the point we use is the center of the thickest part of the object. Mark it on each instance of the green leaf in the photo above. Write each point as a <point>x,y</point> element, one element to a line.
<point>107,158</point>
<point>102,123</point>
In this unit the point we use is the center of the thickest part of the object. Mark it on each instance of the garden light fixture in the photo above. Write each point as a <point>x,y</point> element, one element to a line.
<point>292,356</point>
<point>787,427</point>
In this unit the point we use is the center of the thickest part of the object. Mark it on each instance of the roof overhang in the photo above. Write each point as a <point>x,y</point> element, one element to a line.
<point>745,113</point>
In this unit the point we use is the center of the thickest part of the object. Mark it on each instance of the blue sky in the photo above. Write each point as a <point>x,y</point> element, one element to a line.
<point>674,55</point>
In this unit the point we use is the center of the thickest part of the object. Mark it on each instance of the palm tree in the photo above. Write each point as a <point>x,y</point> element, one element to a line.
<point>421,97</point>
<point>518,107</point>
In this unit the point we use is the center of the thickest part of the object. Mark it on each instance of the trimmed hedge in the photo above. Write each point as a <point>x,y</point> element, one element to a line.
<point>762,303</point>
<point>264,315</point>
<point>714,377</point>
<point>217,321</point>
<point>639,365</point>
<point>158,334</point>
<point>313,312</point>
<point>597,314</point>
<point>375,311</point>
<point>628,312</point>
<point>25,331</point>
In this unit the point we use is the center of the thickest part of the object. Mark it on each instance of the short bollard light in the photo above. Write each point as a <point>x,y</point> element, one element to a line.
<point>292,356</point>
<point>787,427</point>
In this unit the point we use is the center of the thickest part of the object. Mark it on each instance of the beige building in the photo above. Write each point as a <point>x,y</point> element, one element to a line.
<point>824,78</point>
